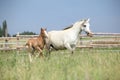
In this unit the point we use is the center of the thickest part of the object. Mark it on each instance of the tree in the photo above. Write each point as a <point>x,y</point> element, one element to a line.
<point>25,33</point>
<point>5,29</point>
<point>1,31</point>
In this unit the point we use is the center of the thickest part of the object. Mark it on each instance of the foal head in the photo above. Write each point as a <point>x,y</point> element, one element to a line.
<point>44,33</point>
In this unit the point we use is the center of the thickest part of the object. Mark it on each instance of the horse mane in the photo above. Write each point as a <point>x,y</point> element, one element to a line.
<point>68,27</point>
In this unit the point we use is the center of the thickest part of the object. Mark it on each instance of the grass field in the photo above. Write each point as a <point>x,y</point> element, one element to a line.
<point>84,64</point>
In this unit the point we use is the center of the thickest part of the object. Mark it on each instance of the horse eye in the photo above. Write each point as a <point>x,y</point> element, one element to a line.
<point>84,25</point>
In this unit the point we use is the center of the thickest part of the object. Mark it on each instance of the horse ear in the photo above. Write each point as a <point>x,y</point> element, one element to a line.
<point>41,28</point>
<point>88,19</point>
<point>46,29</point>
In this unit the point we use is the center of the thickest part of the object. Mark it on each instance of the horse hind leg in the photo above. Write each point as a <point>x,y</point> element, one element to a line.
<point>41,54</point>
<point>31,53</point>
<point>30,57</point>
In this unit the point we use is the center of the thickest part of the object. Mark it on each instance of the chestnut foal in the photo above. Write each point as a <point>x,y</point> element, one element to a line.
<point>37,43</point>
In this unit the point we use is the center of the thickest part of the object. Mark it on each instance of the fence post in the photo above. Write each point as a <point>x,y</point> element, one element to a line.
<point>6,42</point>
<point>17,36</point>
<point>81,42</point>
<point>90,42</point>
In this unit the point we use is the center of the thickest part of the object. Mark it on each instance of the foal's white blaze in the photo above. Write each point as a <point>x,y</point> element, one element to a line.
<point>46,34</point>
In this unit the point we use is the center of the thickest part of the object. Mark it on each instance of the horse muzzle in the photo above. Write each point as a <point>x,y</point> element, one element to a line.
<point>90,34</point>
<point>45,37</point>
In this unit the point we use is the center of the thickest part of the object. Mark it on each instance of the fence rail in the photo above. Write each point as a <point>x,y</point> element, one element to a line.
<point>98,40</point>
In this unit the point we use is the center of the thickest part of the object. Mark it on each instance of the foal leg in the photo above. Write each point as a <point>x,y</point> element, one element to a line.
<point>40,52</point>
<point>30,57</point>
<point>47,50</point>
<point>33,51</point>
<point>30,53</point>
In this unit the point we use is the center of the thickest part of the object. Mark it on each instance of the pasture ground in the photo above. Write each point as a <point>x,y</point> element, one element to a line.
<point>84,64</point>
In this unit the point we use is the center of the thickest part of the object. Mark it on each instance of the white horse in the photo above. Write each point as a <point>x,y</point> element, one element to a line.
<point>67,38</point>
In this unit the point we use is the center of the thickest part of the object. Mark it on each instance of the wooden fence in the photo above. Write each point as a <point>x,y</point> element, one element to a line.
<point>98,40</point>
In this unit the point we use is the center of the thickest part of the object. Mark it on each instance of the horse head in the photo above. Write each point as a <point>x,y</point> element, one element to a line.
<point>85,27</point>
<point>44,33</point>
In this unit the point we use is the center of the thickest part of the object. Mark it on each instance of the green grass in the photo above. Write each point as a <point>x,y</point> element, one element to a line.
<point>84,64</point>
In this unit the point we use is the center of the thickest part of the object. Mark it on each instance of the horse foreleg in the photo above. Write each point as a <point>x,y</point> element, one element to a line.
<point>48,49</point>
<point>33,50</point>
<point>73,48</point>
<point>40,52</point>
<point>67,45</point>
